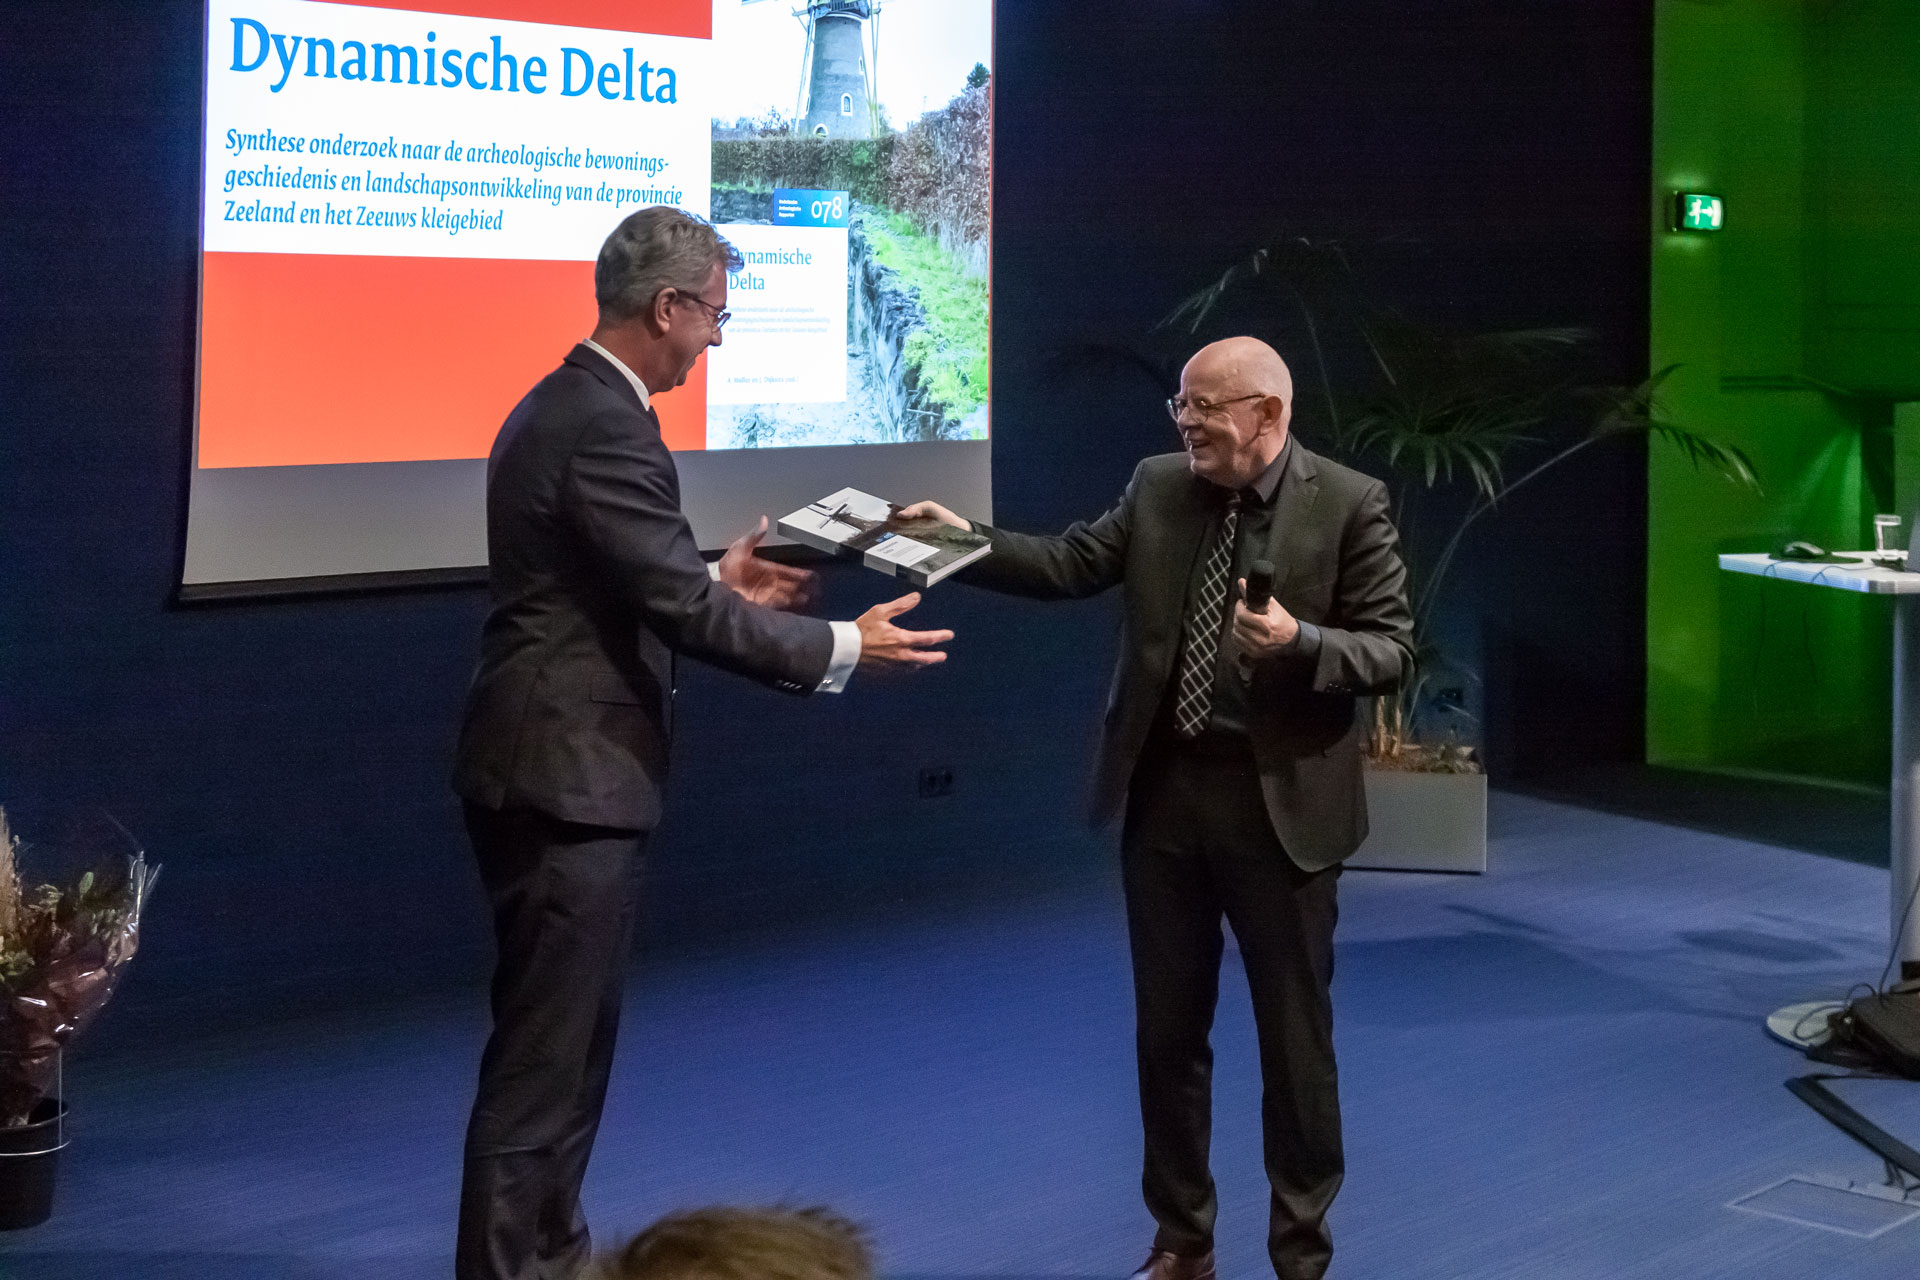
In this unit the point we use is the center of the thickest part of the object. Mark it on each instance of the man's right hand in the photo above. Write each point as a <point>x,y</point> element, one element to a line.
<point>933,510</point>
<point>884,645</point>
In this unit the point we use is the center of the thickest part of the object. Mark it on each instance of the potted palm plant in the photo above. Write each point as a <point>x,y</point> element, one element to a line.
<point>1457,423</point>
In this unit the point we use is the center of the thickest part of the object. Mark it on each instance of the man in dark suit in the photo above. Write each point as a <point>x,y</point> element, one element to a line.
<point>1233,748</point>
<point>596,583</point>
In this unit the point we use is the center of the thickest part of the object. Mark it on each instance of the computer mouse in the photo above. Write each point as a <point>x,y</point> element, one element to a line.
<point>1801,551</point>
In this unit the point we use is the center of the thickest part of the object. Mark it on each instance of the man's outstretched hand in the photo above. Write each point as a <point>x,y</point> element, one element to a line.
<point>934,511</point>
<point>884,645</point>
<point>777,586</point>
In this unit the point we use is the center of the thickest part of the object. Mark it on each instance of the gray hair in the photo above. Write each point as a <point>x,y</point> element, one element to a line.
<point>654,249</point>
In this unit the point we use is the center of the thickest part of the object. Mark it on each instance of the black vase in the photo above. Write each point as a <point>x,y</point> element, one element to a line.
<point>29,1157</point>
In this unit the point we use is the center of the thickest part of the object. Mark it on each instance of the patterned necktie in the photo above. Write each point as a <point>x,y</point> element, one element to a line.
<point>1193,707</point>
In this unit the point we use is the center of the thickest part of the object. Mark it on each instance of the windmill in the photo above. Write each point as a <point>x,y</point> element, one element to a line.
<point>836,97</point>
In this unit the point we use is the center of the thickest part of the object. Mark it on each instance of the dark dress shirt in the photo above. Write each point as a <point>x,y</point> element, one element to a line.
<point>1232,675</point>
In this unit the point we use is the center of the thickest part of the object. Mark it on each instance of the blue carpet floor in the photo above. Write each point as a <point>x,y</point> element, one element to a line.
<point>1555,1070</point>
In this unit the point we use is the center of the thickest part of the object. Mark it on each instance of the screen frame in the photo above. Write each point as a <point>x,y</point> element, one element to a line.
<point>868,465</point>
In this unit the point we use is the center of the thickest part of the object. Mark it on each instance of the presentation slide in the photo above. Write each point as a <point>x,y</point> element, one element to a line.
<point>402,205</point>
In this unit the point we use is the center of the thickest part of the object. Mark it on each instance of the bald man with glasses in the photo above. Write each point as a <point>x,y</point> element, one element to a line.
<point>1233,750</point>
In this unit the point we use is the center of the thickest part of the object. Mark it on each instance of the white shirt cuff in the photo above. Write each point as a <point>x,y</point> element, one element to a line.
<point>846,656</point>
<point>713,570</point>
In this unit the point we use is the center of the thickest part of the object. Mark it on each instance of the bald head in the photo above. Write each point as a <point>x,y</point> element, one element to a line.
<point>1249,391</point>
<point>1246,363</point>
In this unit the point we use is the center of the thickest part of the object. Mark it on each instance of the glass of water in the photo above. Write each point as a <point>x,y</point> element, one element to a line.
<point>1882,526</point>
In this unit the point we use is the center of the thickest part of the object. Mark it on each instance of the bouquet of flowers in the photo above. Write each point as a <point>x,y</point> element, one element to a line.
<point>62,950</point>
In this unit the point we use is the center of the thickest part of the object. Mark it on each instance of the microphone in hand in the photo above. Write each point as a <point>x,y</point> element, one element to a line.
<point>1259,585</point>
<point>1262,627</point>
<point>1259,594</point>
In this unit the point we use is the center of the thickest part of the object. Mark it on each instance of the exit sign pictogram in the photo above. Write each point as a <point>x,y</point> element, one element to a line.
<point>1697,211</point>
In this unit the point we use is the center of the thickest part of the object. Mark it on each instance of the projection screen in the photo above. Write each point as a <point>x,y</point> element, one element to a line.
<point>403,202</point>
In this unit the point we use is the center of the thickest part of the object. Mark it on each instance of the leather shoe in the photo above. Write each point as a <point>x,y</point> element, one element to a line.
<point>1163,1265</point>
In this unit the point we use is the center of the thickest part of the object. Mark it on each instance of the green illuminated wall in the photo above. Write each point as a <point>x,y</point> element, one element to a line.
<point>1798,332</point>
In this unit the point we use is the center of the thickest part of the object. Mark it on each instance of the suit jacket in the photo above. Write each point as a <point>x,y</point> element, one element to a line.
<point>596,580</point>
<point>1337,565</point>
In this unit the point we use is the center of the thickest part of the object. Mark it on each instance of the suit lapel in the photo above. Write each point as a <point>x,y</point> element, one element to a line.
<point>1293,512</point>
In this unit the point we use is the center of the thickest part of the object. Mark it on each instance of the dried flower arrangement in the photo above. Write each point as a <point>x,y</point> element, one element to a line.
<point>62,951</point>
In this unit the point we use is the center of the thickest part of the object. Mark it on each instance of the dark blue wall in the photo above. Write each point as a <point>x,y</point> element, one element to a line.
<point>1488,161</point>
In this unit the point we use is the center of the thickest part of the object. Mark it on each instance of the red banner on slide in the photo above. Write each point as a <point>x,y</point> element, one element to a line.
<point>653,17</point>
<point>308,359</point>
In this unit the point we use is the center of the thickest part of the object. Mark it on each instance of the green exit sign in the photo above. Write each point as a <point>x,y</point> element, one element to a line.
<point>1697,211</point>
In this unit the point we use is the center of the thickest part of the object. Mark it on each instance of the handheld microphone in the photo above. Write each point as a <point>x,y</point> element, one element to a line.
<point>1259,585</point>
<point>1259,592</point>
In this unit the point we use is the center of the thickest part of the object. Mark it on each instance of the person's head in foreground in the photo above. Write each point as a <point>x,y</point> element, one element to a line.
<point>744,1244</point>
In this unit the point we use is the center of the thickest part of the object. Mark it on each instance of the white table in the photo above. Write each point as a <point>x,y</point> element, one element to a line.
<point>1863,576</point>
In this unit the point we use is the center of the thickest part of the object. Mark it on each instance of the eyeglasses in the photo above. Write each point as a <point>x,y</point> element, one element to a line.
<point>720,317</point>
<point>1205,408</point>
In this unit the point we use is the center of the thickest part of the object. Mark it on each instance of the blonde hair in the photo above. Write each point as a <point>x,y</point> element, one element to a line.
<point>745,1244</point>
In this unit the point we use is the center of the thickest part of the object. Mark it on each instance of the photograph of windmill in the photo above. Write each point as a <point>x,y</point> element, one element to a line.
<point>889,103</point>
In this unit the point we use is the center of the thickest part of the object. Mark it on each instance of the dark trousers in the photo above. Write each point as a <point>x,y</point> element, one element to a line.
<point>563,897</point>
<point>1198,845</point>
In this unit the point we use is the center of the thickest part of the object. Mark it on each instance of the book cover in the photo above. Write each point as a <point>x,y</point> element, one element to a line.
<point>857,525</point>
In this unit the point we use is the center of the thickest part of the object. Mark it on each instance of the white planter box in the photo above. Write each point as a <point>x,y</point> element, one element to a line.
<point>1424,822</point>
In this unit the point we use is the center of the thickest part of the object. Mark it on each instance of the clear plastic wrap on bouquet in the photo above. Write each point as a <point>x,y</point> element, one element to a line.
<point>62,952</point>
